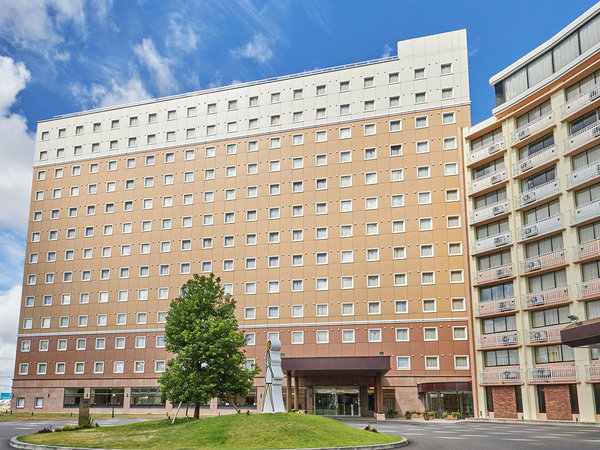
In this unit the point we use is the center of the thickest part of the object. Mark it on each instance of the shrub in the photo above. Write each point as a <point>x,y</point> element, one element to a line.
<point>456,414</point>
<point>392,413</point>
<point>45,430</point>
<point>407,414</point>
<point>431,414</point>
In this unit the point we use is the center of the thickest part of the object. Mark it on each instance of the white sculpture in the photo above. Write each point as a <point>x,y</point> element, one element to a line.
<point>273,396</point>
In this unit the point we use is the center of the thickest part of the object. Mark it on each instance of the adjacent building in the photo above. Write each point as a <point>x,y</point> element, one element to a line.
<point>533,188</point>
<point>331,204</point>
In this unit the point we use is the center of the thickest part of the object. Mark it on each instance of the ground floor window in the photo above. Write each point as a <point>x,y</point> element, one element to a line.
<point>20,402</point>
<point>596,388</point>
<point>72,397</point>
<point>38,402</point>
<point>489,399</point>
<point>146,397</point>
<point>107,397</point>
<point>541,396</point>
<point>449,402</point>
<point>248,401</point>
<point>574,399</point>
<point>337,401</point>
<point>519,399</point>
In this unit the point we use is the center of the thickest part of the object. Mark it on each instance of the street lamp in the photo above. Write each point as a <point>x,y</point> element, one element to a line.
<point>114,394</point>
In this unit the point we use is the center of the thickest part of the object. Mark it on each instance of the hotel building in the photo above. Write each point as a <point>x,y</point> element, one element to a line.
<point>330,203</point>
<point>533,172</point>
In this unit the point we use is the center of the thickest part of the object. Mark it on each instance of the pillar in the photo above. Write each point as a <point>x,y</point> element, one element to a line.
<point>379,394</point>
<point>296,394</point>
<point>288,397</point>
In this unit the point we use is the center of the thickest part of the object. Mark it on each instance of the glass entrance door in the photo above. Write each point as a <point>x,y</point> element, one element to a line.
<point>337,401</point>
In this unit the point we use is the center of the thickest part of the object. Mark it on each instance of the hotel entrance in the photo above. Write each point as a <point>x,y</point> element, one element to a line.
<point>336,401</point>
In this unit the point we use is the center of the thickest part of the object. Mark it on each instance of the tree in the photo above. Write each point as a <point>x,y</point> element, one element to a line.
<point>202,332</point>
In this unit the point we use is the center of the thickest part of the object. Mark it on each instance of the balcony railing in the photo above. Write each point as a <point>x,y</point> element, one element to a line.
<point>544,334</point>
<point>481,153</point>
<point>501,376</point>
<point>582,138</point>
<point>540,228</point>
<point>493,274</point>
<point>499,240</point>
<point>586,212</point>
<point>547,297</point>
<point>580,103</point>
<point>585,174</point>
<point>589,288</point>
<point>503,305</point>
<point>592,372</point>
<point>555,374</point>
<point>534,161</point>
<point>532,128</point>
<point>545,261</point>
<point>488,181</point>
<point>585,250</point>
<point>489,211</point>
<point>539,193</point>
<point>498,339</point>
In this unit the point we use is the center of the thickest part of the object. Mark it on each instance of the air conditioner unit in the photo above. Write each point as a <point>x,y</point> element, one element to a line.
<point>501,240</point>
<point>530,231</point>
<point>540,336</point>
<point>528,198</point>
<point>502,273</point>
<point>536,300</point>
<point>496,178</point>
<point>509,339</point>
<point>594,94</point>
<point>596,131</point>
<point>526,165</point>
<point>499,209</point>
<point>543,373</point>
<point>510,375</point>
<point>533,265</point>
<point>504,306</point>
<point>494,148</point>
<point>523,133</point>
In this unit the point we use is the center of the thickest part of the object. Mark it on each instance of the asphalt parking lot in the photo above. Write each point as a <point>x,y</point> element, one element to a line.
<point>445,434</point>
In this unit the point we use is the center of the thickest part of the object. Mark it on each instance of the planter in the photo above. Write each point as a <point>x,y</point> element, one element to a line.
<point>415,416</point>
<point>451,417</point>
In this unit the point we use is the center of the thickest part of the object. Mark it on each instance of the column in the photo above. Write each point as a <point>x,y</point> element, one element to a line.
<point>379,394</point>
<point>296,393</point>
<point>288,397</point>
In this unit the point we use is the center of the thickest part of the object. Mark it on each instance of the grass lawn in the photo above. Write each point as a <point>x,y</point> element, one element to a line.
<point>237,431</point>
<point>6,416</point>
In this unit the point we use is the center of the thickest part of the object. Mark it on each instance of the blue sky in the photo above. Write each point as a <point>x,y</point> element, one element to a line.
<point>62,56</point>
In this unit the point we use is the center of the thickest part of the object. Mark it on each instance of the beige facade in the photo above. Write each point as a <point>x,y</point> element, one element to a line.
<point>533,184</point>
<point>330,204</point>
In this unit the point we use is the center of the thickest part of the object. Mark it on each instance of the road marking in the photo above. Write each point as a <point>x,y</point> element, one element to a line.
<point>518,439</point>
<point>454,437</point>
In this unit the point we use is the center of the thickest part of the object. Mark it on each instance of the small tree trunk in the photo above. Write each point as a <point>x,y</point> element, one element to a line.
<point>237,410</point>
<point>187,404</point>
<point>196,410</point>
<point>176,412</point>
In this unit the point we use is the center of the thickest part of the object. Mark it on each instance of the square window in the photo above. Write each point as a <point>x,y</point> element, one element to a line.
<point>403,362</point>
<point>421,122</point>
<point>430,334</point>
<point>374,335</point>
<point>402,335</point>
<point>419,73</point>
<point>297,337</point>
<point>395,125</point>
<point>452,195</point>
<point>425,224</point>
<point>429,305</point>
<point>447,93</point>
<point>432,363</point>
<point>374,308</point>
<point>424,198</point>
<point>321,136</point>
<point>401,306</point>
<point>450,143</point>
<point>394,102</point>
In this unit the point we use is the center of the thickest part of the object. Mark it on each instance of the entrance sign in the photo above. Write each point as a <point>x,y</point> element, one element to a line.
<point>273,396</point>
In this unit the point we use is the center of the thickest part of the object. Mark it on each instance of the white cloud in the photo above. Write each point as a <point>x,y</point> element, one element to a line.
<point>10,301</point>
<point>16,148</point>
<point>258,49</point>
<point>158,65</point>
<point>98,96</point>
<point>182,36</point>
<point>387,51</point>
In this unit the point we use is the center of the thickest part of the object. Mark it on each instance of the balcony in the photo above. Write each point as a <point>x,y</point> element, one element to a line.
<point>548,297</point>
<point>583,213</point>
<point>491,211</point>
<point>501,376</point>
<point>544,335</point>
<point>539,229</point>
<point>541,263</point>
<point>592,372</point>
<point>537,194</point>
<point>484,154</point>
<point>493,274</point>
<point>488,182</point>
<point>586,250</point>
<point>531,130</point>
<point>508,339</point>
<point>555,374</point>
<point>491,243</point>
<point>535,161</point>
<point>583,176</point>
<point>501,306</point>
<point>585,102</point>
<point>588,290</point>
<point>582,140</point>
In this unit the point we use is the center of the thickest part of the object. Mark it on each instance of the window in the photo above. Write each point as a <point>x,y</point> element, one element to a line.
<point>297,337</point>
<point>447,93</point>
<point>275,97</point>
<point>321,136</point>
<point>273,312</point>
<point>432,363</point>
<point>369,105</point>
<point>430,334</point>
<point>395,125</point>
<point>369,129</point>
<point>297,116</point>
<point>449,143</point>
<point>275,143</point>
<point>425,224</point>
<point>426,250</point>
<point>397,200</point>
<point>372,228</point>
<point>249,313</point>
<point>452,195</point>
<point>374,334</point>
<point>371,203</point>
<point>419,73</point>
<point>421,122</point>
<point>429,305</point>
<point>427,277</point>
<point>424,198</point>
<point>372,281</point>
<point>454,248</point>
<point>448,118</point>
<point>250,288</point>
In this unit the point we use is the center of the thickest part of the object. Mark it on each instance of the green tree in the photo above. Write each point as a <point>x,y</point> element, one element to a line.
<point>202,332</point>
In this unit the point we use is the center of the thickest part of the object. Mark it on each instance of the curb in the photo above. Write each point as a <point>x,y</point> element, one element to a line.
<point>25,446</point>
<point>535,422</point>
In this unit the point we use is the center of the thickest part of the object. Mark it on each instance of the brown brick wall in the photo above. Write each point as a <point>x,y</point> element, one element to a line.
<point>505,403</point>
<point>558,405</point>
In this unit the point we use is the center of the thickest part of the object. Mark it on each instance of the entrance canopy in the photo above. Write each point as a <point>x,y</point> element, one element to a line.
<point>360,365</point>
<point>582,333</point>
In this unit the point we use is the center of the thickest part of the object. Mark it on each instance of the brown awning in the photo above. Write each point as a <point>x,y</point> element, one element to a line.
<point>337,364</point>
<point>581,333</point>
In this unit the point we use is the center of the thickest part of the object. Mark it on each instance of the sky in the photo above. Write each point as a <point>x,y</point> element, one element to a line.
<point>63,56</point>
